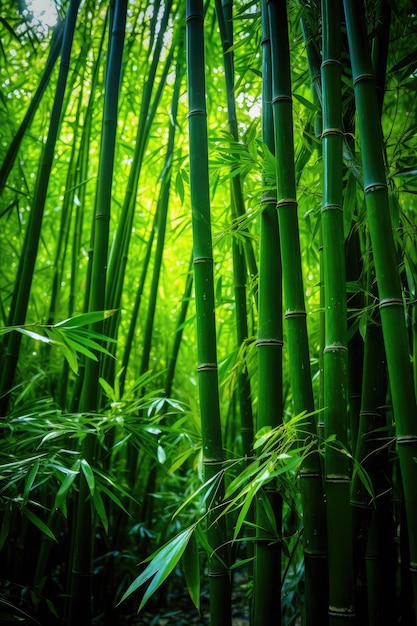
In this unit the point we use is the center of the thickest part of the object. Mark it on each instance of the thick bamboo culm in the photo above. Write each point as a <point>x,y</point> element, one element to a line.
<point>337,471</point>
<point>386,267</point>
<point>80,609</point>
<point>268,554</point>
<point>219,577</point>
<point>295,315</point>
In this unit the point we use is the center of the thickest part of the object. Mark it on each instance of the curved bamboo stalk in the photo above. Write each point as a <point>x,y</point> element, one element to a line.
<point>337,471</point>
<point>386,266</point>
<point>219,578</point>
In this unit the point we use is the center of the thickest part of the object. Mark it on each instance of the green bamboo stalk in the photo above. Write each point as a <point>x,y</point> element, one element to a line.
<point>146,116</point>
<point>54,52</point>
<point>81,567</point>
<point>219,578</point>
<point>371,455</point>
<point>30,246</point>
<point>386,266</point>
<point>120,250</point>
<point>163,202</point>
<point>337,471</point>
<point>295,315</point>
<point>162,213</point>
<point>83,162</point>
<point>224,11</point>
<point>267,564</point>
<point>380,44</point>
<point>182,316</point>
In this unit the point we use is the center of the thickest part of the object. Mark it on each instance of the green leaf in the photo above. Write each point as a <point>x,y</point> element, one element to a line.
<point>162,562</point>
<point>89,475</point>
<point>101,510</point>
<point>35,336</point>
<point>38,523</point>
<point>108,389</point>
<point>65,485</point>
<point>191,565</point>
<point>85,319</point>
<point>30,480</point>
<point>162,457</point>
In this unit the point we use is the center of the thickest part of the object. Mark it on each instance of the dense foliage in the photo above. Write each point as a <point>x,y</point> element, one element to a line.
<point>208,310</point>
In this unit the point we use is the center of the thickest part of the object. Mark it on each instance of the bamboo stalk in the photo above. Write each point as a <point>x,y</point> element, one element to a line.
<point>27,261</point>
<point>386,266</point>
<point>80,609</point>
<point>268,553</point>
<point>337,471</point>
<point>295,315</point>
<point>242,251</point>
<point>219,578</point>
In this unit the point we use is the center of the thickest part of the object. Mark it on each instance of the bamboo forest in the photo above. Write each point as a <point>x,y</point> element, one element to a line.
<point>208,312</point>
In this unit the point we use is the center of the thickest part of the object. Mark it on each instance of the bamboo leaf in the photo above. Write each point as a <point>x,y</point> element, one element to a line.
<point>162,562</point>
<point>38,523</point>
<point>30,480</point>
<point>85,319</point>
<point>89,475</point>
<point>100,509</point>
<point>191,565</point>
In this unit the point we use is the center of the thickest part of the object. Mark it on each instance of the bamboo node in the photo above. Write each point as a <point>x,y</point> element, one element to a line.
<point>332,131</point>
<point>202,259</point>
<point>336,611</point>
<point>197,112</point>
<point>405,439</point>
<point>413,567</point>
<point>363,77</point>
<point>206,367</point>
<point>295,313</point>
<point>336,478</point>
<point>269,342</point>
<point>303,473</point>
<point>283,98</point>
<point>390,302</point>
<point>285,201</point>
<point>375,187</point>
<point>335,347</point>
<point>330,62</point>
<point>331,207</point>
<point>268,200</point>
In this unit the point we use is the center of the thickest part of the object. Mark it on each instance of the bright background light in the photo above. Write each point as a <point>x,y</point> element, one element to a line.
<point>43,13</point>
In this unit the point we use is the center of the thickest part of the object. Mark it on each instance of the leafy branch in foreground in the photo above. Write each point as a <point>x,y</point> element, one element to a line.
<point>70,335</point>
<point>279,459</point>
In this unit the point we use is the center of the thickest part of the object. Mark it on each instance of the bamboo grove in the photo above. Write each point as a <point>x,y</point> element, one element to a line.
<point>208,312</point>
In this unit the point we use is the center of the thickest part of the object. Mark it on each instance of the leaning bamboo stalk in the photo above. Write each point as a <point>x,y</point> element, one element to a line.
<point>81,567</point>
<point>337,471</point>
<point>386,267</point>
<point>219,578</point>
<point>12,152</point>
<point>295,315</point>
<point>26,268</point>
